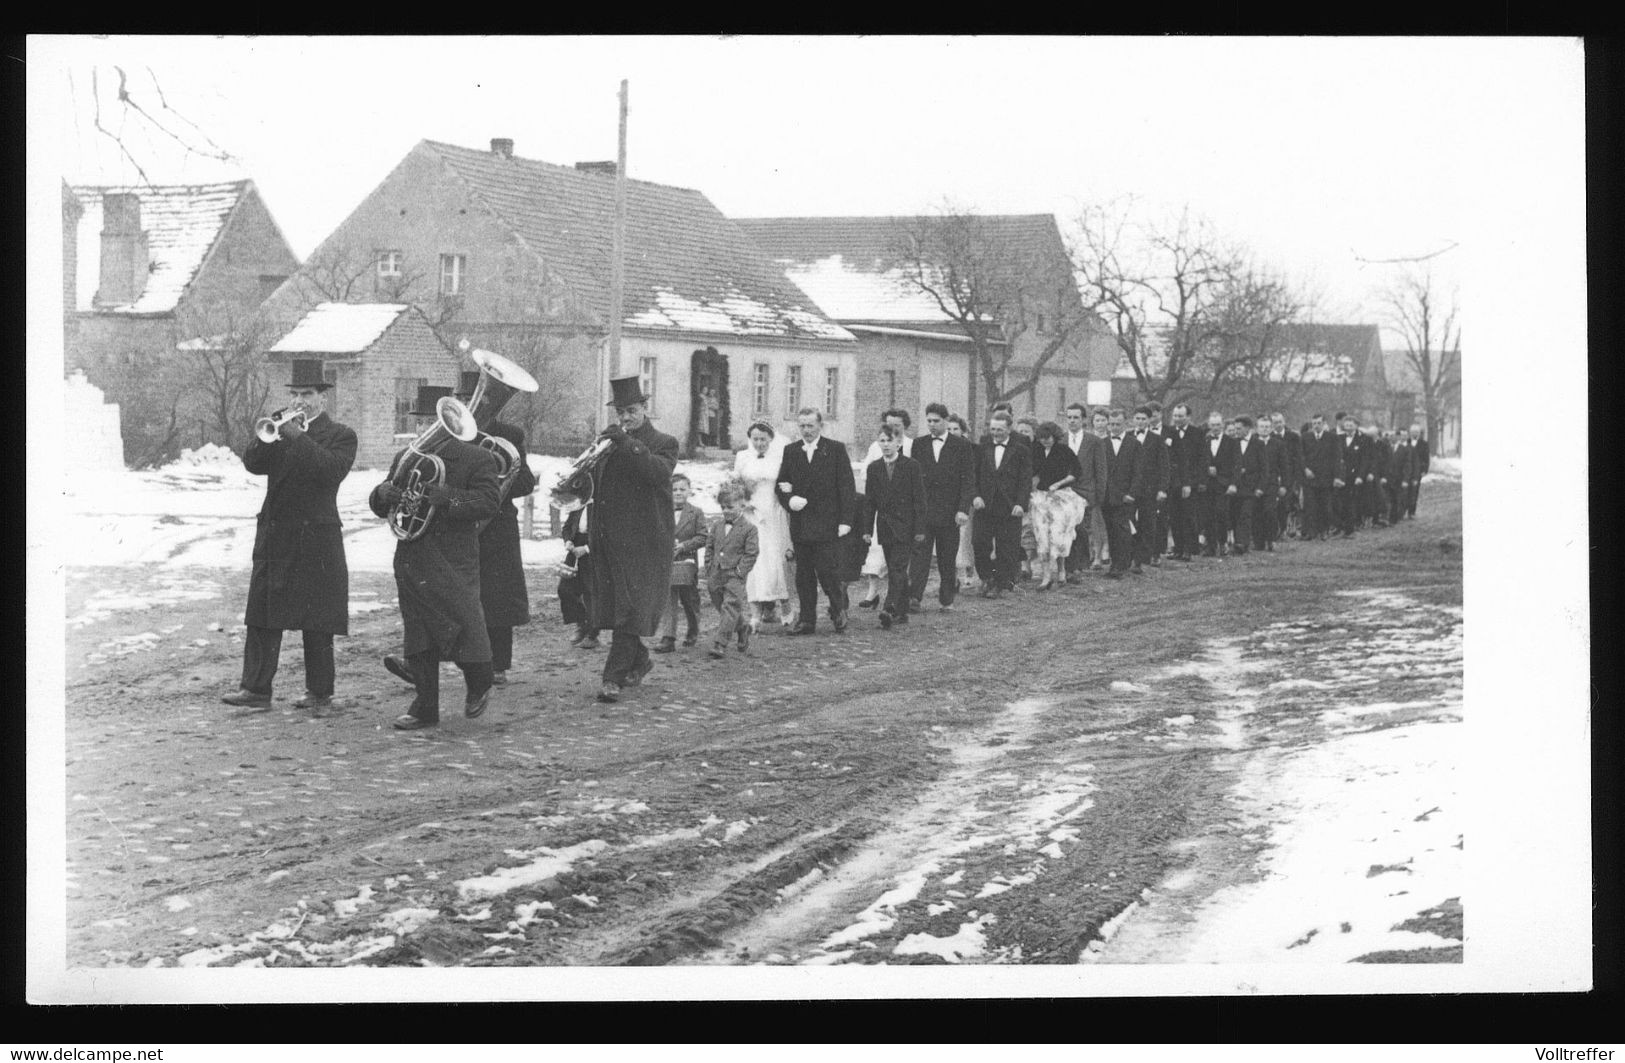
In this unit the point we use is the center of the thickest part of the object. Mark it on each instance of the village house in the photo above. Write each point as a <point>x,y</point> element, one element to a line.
<point>515,256</point>
<point>1409,406</point>
<point>376,356</point>
<point>147,267</point>
<point>913,352</point>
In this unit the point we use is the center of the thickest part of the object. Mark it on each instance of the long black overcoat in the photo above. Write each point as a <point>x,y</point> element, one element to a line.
<point>502,570</point>
<point>437,576</point>
<point>630,529</point>
<point>300,581</point>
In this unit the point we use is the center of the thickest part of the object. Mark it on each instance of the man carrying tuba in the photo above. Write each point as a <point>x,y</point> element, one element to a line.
<point>502,573</point>
<point>300,581</point>
<point>437,571</point>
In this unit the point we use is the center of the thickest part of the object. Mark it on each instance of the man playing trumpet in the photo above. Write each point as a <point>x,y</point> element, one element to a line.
<point>300,580</point>
<point>437,572</point>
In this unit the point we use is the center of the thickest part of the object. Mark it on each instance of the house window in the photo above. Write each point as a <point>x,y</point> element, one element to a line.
<point>452,268</point>
<point>758,394</point>
<point>832,391</point>
<point>891,388</point>
<point>646,380</point>
<point>792,390</point>
<point>406,396</point>
<point>389,265</point>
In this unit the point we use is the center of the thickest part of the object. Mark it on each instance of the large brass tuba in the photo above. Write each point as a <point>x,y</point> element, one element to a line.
<point>500,380</point>
<point>420,468</point>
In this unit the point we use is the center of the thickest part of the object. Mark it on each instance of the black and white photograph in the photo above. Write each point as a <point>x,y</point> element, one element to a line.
<point>660,518</point>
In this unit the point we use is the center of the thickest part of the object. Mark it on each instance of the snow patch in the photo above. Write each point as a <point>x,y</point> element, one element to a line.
<point>968,942</point>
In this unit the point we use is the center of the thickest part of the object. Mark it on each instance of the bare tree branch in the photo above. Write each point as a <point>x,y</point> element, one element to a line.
<point>1451,246</point>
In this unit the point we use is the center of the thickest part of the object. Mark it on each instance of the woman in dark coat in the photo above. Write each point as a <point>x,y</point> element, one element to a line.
<point>300,581</point>
<point>630,528</point>
<point>437,576</point>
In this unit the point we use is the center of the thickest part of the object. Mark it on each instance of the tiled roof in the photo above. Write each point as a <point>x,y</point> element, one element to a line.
<point>339,328</point>
<point>844,263</point>
<point>688,268</point>
<point>181,222</point>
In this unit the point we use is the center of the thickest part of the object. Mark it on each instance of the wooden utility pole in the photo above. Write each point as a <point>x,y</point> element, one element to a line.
<point>617,278</point>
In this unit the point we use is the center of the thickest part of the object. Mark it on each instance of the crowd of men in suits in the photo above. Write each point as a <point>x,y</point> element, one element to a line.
<point>1031,495</point>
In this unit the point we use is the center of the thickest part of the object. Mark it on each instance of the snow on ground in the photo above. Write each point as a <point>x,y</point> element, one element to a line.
<point>200,512</point>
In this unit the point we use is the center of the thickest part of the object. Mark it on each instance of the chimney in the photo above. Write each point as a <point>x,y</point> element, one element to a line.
<point>124,250</point>
<point>605,168</point>
<point>502,146</point>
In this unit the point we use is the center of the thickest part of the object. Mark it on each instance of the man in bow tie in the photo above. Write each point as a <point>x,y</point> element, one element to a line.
<point>815,485</point>
<point>1004,484</point>
<point>1320,470</point>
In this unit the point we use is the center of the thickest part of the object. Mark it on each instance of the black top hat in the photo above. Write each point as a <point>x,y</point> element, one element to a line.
<point>470,380</point>
<point>626,391</point>
<point>307,373</point>
<point>428,396</point>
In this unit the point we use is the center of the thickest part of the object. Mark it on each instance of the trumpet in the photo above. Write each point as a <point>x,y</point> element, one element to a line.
<point>500,380</point>
<point>269,429</point>
<point>575,487</point>
<point>421,468</point>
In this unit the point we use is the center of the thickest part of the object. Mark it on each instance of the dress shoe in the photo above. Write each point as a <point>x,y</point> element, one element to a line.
<point>717,652</point>
<point>946,607</point>
<point>986,590</point>
<point>997,592</point>
<point>639,670</point>
<point>248,699</point>
<point>838,620</point>
<point>499,679</point>
<point>314,702</point>
<point>579,636</point>
<point>1136,570</point>
<point>609,692</point>
<point>902,619</point>
<point>588,643</point>
<point>868,603</point>
<point>398,668</point>
<point>1156,562</point>
<point>408,722</point>
<point>667,645</point>
<point>689,640</point>
<point>915,604</point>
<point>474,706</point>
<point>885,620</point>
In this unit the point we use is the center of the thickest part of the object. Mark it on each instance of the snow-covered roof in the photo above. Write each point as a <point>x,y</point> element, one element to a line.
<point>918,334</point>
<point>182,223</point>
<point>339,328</point>
<point>851,291</point>
<point>688,268</point>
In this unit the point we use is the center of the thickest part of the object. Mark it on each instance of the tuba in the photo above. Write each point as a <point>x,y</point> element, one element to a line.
<point>269,429</point>
<point>420,468</point>
<point>575,486</point>
<point>500,380</point>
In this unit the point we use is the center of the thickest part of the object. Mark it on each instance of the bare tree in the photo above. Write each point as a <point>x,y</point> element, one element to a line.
<point>995,288</point>
<point>334,275</point>
<point>1163,291</point>
<point>223,358</point>
<point>1426,321</point>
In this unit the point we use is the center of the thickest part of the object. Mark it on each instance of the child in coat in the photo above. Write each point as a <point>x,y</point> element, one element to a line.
<point>685,568</point>
<point>730,554</point>
<point>572,582</point>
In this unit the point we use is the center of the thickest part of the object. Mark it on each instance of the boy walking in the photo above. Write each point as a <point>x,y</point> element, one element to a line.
<point>730,554</point>
<point>685,568</point>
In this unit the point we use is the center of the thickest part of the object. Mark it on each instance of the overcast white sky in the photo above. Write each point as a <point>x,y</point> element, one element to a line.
<point>1316,152</point>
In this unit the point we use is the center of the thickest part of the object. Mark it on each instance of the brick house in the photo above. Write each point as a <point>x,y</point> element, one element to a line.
<point>514,255</point>
<point>1310,368</point>
<point>148,267</point>
<point>912,352</point>
<point>375,355</point>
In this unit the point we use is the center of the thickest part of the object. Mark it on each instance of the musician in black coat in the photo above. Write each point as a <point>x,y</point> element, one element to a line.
<point>300,581</point>
<point>1215,484</point>
<point>1320,471</point>
<point>1128,482</point>
<point>948,473</point>
<point>815,486</point>
<point>894,506</point>
<point>1004,484</point>
<point>437,575</point>
<point>502,572</point>
<point>1183,440</point>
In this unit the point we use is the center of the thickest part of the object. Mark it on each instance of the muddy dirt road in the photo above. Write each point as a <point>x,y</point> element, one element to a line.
<point>1244,759</point>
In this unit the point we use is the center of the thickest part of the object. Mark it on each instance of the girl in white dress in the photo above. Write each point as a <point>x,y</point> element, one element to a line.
<point>768,585</point>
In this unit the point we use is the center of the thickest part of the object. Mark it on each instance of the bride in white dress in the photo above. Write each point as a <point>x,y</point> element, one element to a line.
<point>768,585</point>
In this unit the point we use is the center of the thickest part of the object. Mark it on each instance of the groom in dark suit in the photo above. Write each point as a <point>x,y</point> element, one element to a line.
<point>815,486</point>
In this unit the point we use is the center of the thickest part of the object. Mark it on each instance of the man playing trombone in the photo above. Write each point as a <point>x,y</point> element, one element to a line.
<point>300,581</point>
